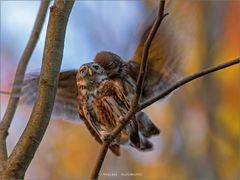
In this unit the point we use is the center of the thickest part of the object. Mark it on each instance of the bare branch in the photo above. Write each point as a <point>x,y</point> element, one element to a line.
<point>26,147</point>
<point>187,80</point>
<point>13,101</point>
<point>136,96</point>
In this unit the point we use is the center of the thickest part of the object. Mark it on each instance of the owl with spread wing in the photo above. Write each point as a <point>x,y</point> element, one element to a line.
<point>102,104</point>
<point>121,77</point>
<point>163,69</point>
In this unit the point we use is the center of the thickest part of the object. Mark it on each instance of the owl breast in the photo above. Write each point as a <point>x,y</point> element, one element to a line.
<point>103,106</point>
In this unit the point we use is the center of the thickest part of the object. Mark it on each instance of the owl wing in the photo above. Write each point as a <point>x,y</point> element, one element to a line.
<point>65,104</point>
<point>111,107</point>
<point>89,126</point>
<point>112,97</point>
<point>163,61</point>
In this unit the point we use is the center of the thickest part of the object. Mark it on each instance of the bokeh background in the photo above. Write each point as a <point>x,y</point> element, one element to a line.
<point>200,122</point>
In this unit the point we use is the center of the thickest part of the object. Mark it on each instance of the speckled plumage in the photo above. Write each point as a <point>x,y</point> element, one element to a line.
<point>102,104</point>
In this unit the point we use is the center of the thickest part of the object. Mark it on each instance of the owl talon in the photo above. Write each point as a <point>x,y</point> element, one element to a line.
<point>108,138</point>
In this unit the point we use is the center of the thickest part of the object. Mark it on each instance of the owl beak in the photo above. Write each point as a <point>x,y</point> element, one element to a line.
<point>90,71</point>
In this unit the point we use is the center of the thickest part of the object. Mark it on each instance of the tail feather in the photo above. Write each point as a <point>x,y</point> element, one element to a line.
<point>134,136</point>
<point>145,125</point>
<point>138,139</point>
<point>146,145</point>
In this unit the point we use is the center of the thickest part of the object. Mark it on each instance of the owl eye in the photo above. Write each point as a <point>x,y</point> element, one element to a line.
<point>82,70</point>
<point>110,63</point>
<point>96,67</point>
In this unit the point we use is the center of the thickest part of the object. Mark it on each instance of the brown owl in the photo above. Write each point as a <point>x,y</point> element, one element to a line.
<point>163,69</point>
<point>102,104</point>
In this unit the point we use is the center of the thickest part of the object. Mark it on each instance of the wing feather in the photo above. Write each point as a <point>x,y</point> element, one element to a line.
<point>163,61</point>
<point>65,104</point>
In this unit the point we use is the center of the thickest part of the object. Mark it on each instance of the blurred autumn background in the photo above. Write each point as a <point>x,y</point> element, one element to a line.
<point>200,122</point>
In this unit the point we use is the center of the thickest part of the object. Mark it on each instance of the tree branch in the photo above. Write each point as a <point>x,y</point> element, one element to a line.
<point>5,92</point>
<point>187,80</point>
<point>27,145</point>
<point>22,65</point>
<point>136,96</point>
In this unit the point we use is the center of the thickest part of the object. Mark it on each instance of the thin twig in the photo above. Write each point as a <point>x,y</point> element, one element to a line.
<point>187,80</point>
<point>134,102</point>
<point>28,143</point>
<point>22,65</point>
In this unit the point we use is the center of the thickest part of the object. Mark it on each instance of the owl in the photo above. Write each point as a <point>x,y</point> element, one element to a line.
<point>121,75</point>
<point>102,105</point>
<point>163,70</point>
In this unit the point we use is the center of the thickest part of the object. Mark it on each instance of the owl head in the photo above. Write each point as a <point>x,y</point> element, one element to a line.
<point>109,61</point>
<point>90,74</point>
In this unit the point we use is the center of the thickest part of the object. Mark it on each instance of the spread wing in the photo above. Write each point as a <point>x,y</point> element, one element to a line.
<point>65,104</point>
<point>163,61</point>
